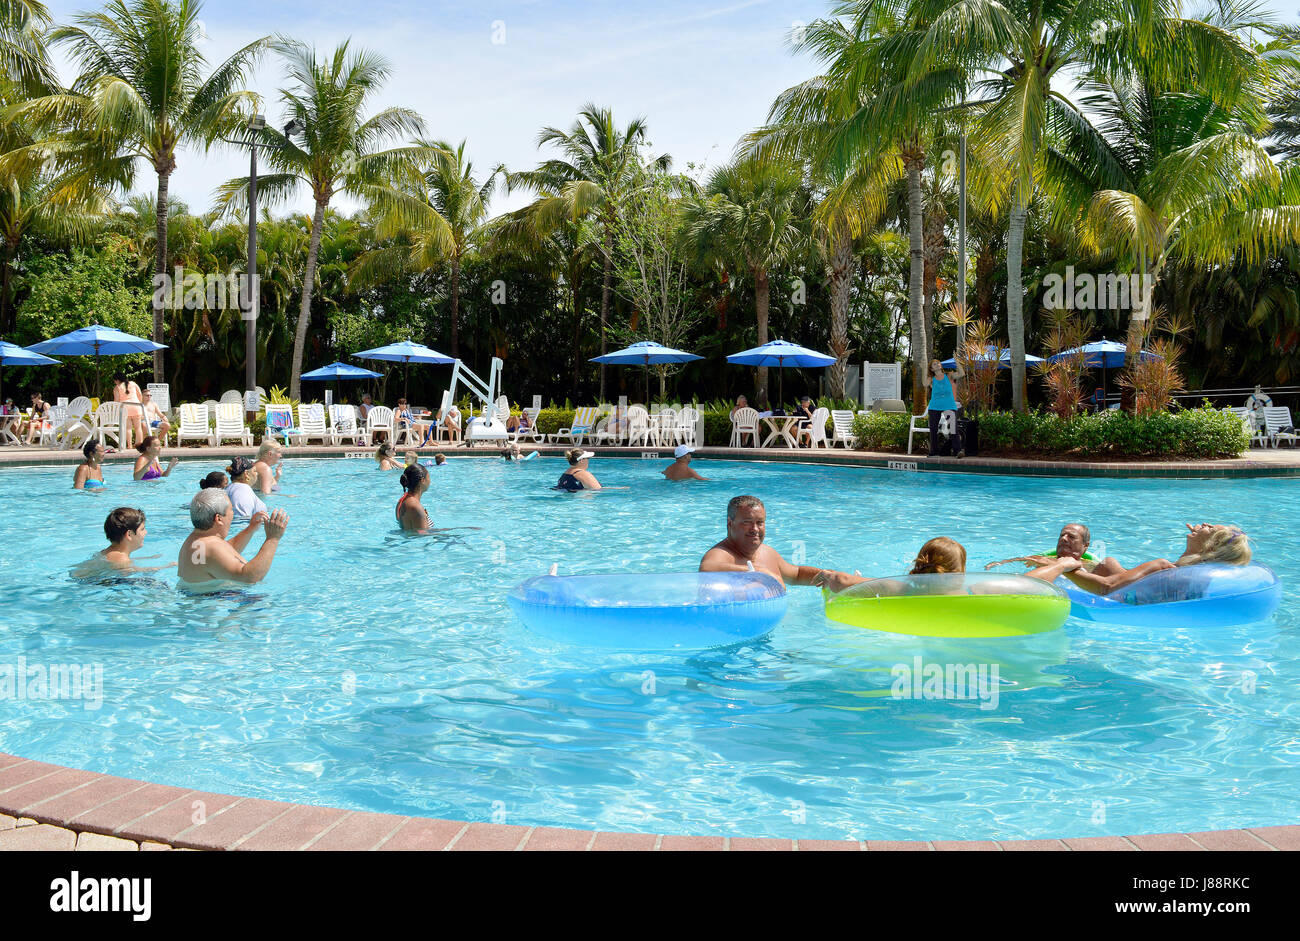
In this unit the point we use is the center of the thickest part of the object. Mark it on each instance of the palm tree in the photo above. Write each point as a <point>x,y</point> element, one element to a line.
<point>24,60</point>
<point>1154,175</point>
<point>862,125</point>
<point>1017,52</point>
<point>141,93</point>
<point>751,217</point>
<point>340,149</point>
<point>597,170</point>
<point>440,217</point>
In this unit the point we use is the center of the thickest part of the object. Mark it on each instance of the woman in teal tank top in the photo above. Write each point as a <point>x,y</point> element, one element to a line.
<point>943,398</point>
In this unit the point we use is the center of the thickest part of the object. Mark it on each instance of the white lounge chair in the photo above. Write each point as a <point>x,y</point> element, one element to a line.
<point>343,425</point>
<point>230,424</point>
<point>842,427</point>
<point>1278,426</point>
<point>531,431</point>
<point>584,422</point>
<point>279,422</point>
<point>380,418</point>
<point>311,423</point>
<point>194,424</point>
<point>744,421</point>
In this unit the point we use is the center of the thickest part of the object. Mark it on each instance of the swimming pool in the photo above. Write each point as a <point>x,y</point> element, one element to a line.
<point>382,673</point>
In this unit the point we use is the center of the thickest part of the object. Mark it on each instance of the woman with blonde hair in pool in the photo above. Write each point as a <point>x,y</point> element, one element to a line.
<point>386,456</point>
<point>940,556</point>
<point>267,466</point>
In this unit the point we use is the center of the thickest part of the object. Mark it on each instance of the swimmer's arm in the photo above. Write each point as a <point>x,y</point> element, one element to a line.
<point>240,540</point>
<point>1055,569</point>
<point>79,479</point>
<point>171,466</point>
<point>819,578</point>
<point>229,564</point>
<point>588,480</point>
<point>141,471</point>
<point>1105,584</point>
<point>695,476</point>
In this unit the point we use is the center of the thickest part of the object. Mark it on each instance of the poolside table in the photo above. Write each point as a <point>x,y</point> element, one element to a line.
<point>782,427</point>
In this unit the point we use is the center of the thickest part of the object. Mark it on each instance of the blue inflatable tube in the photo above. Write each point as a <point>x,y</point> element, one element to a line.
<point>1206,595</point>
<point>688,611</point>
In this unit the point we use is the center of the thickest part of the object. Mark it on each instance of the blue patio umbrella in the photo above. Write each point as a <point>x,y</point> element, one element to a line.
<point>646,353</point>
<point>1103,355</point>
<point>406,352</point>
<point>782,354</point>
<point>11,354</point>
<point>338,371</point>
<point>96,341</point>
<point>1004,361</point>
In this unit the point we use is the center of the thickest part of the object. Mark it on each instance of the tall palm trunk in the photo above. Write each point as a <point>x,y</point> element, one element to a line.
<point>1016,302</point>
<point>935,248</point>
<point>304,312</point>
<point>841,278</point>
<point>160,264</point>
<point>762,292</point>
<point>604,299</point>
<point>455,307</point>
<point>914,160</point>
<point>577,336</point>
<point>8,317</point>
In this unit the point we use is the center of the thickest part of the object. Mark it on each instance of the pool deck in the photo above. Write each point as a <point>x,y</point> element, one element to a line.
<point>47,807</point>
<point>1258,462</point>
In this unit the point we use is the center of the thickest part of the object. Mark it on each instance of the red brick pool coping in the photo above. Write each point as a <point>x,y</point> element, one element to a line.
<point>49,807</point>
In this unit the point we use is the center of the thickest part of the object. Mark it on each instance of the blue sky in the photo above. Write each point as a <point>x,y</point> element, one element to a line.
<point>495,73</point>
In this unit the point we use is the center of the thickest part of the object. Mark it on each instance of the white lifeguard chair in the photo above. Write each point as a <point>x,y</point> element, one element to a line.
<point>489,425</point>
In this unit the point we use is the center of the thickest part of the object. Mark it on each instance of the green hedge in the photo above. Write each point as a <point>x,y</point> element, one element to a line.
<point>1186,433</point>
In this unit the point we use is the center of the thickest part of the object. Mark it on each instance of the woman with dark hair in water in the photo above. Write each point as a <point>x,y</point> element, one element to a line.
<point>90,472</point>
<point>146,465</point>
<point>411,514</point>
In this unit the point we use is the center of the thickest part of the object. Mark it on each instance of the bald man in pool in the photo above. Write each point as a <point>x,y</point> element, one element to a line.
<point>209,559</point>
<point>743,551</point>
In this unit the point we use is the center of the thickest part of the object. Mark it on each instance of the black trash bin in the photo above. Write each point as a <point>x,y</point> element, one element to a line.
<point>970,436</point>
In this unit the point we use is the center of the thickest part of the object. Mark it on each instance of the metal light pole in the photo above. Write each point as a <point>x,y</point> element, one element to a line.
<point>961,240</point>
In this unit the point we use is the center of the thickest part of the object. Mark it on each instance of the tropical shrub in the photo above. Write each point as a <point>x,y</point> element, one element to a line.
<point>881,431</point>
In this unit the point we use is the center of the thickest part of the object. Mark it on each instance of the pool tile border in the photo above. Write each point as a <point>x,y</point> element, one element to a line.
<point>1259,462</point>
<point>49,807</point>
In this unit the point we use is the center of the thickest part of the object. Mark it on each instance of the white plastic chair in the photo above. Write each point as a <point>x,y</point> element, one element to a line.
<point>688,423</point>
<point>108,423</point>
<point>744,421</point>
<point>230,424</point>
<point>816,430</point>
<point>311,423</point>
<point>1278,426</point>
<point>842,429</point>
<point>667,430</point>
<point>77,426</point>
<point>380,418</point>
<point>49,432</point>
<point>343,425</point>
<point>531,431</point>
<point>584,421</point>
<point>279,421</point>
<point>638,425</point>
<point>947,426</point>
<point>232,397</point>
<point>195,424</point>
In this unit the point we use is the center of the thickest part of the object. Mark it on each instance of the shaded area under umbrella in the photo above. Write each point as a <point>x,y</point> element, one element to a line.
<point>1104,355</point>
<point>96,341</point>
<point>406,352</point>
<point>11,354</point>
<point>647,354</point>
<point>783,355</point>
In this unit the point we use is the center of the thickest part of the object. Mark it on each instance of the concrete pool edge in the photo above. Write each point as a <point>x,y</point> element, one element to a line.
<point>1258,463</point>
<point>50,807</point>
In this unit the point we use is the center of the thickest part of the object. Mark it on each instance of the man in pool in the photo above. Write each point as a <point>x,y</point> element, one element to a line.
<point>743,550</point>
<point>125,530</point>
<point>1071,545</point>
<point>680,469</point>
<point>207,558</point>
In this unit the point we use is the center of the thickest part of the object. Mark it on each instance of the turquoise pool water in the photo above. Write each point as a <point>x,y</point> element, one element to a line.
<point>384,673</point>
